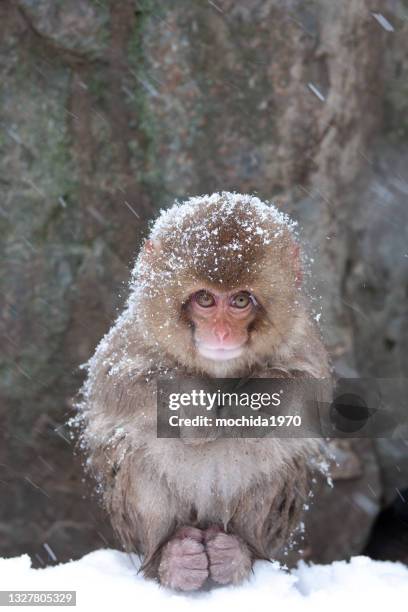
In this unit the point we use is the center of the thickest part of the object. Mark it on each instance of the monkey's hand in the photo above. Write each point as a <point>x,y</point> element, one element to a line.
<point>229,557</point>
<point>184,563</point>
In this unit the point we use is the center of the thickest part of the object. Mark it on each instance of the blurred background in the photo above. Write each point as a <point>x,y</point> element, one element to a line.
<point>112,109</point>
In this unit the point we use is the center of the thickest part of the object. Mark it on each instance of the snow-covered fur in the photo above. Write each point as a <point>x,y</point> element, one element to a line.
<point>150,486</point>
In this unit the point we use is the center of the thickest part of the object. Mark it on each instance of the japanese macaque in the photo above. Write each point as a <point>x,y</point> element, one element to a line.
<point>216,292</point>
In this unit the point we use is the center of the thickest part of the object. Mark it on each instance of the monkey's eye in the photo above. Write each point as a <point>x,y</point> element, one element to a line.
<point>204,299</point>
<point>241,300</point>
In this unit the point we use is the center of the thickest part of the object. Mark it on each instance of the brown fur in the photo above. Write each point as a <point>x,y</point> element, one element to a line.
<point>152,487</point>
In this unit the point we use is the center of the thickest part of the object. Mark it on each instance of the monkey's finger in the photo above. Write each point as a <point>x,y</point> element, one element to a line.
<point>184,579</point>
<point>199,561</point>
<point>187,546</point>
<point>222,574</point>
<point>191,580</point>
<point>211,532</point>
<point>229,566</point>
<point>192,533</point>
<point>221,557</point>
<point>223,541</point>
<point>191,547</point>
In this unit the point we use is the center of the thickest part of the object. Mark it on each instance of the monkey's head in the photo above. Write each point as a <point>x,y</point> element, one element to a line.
<point>216,286</point>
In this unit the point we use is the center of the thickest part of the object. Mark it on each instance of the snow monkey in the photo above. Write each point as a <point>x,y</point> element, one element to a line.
<point>215,292</point>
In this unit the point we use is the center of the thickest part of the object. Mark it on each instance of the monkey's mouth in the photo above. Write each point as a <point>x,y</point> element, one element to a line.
<point>220,353</point>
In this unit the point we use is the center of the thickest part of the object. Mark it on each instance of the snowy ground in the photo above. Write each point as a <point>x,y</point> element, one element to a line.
<point>108,579</point>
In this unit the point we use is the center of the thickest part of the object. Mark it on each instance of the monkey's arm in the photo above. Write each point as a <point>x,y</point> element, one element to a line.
<point>119,425</point>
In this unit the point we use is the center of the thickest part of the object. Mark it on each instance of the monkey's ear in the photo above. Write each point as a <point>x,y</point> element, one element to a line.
<point>297,265</point>
<point>152,246</point>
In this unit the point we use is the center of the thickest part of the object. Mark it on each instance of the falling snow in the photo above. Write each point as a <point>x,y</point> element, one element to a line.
<point>383,22</point>
<point>316,92</point>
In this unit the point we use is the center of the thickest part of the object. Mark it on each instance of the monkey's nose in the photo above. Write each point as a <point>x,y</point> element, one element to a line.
<point>222,334</point>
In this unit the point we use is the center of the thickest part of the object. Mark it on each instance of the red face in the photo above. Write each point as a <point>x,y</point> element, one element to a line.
<point>221,322</point>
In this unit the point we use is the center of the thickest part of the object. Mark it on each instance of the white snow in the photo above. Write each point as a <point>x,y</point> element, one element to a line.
<point>108,580</point>
<point>316,92</point>
<point>227,203</point>
<point>383,22</point>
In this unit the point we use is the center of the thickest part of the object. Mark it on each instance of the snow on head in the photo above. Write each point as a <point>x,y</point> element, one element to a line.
<point>223,205</point>
<point>209,234</point>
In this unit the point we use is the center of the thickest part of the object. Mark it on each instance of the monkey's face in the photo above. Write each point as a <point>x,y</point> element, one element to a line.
<point>216,286</point>
<point>221,322</point>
